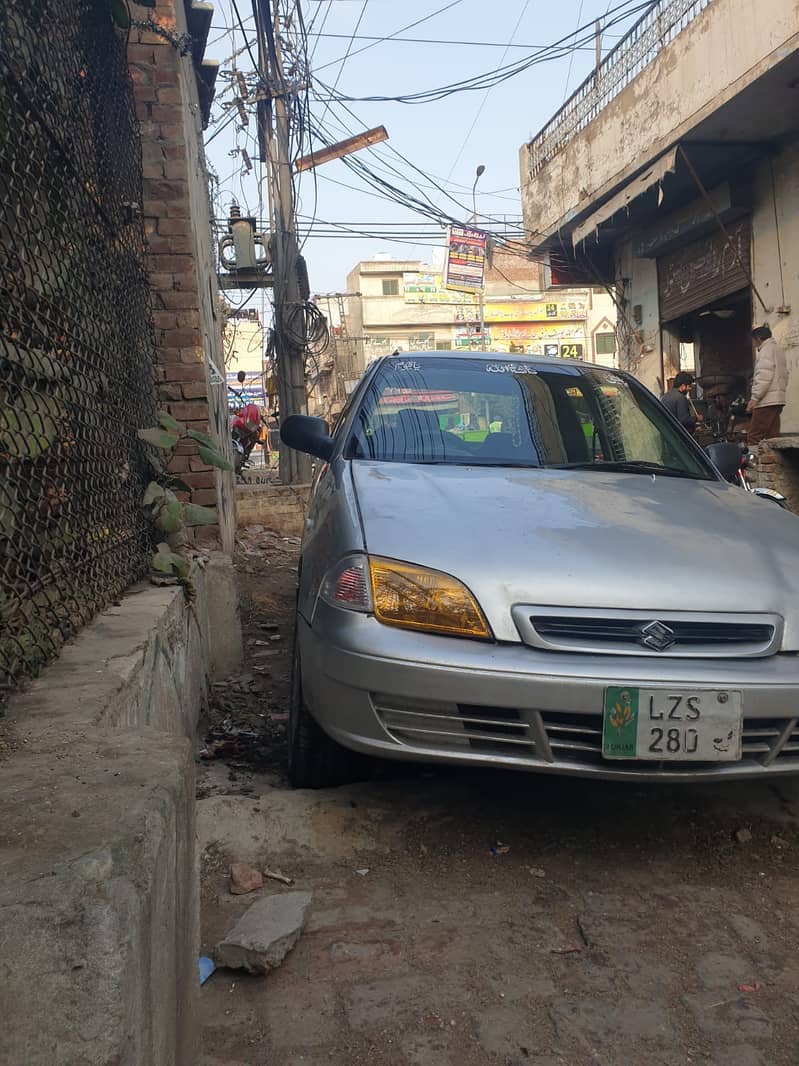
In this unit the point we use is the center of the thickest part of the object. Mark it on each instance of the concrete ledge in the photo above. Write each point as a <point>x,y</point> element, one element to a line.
<point>98,904</point>
<point>98,879</point>
<point>278,507</point>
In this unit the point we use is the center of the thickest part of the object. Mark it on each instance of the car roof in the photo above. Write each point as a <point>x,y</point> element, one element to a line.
<point>542,361</point>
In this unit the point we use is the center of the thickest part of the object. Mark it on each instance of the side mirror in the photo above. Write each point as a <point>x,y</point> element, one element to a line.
<point>725,457</point>
<point>307,434</point>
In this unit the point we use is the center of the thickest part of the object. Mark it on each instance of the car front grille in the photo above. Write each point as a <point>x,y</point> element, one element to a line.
<point>640,633</point>
<point>538,737</point>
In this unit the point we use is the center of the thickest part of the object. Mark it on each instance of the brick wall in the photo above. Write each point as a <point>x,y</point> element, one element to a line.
<point>778,468</point>
<point>278,507</point>
<point>181,264</point>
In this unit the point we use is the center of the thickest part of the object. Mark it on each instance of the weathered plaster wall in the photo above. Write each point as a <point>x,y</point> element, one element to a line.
<point>775,262</point>
<point>98,879</point>
<point>727,47</point>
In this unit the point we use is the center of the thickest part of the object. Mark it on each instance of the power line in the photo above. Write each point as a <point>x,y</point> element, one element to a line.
<point>476,118</point>
<point>571,57</point>
<point>421,40</point>
<point>346,55</point>
<point>558,50</point>
<point>402,29</point>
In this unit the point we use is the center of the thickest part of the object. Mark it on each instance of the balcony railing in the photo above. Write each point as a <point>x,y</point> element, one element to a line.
<point>664,21</point>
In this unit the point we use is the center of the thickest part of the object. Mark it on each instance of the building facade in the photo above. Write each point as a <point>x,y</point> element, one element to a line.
<point>243,342</point>
<point>403,305</point>
<point>673,174</point>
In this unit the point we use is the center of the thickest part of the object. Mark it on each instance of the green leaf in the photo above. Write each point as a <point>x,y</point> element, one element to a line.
<point>165,561</point>
<point>201,438</point>
<point>120,14</point>
<point>170,518</point>
<point>152,493</point>
<point>166,421</point>
<point>213,458</point>
<point>194,515</point>
<point>158,438</point>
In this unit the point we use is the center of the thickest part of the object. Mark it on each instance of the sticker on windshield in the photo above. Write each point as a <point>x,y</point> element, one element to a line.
<point>511,368</point>
<point>405,364</point>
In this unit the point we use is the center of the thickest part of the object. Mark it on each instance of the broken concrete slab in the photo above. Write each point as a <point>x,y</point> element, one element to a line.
<point>265,933</point>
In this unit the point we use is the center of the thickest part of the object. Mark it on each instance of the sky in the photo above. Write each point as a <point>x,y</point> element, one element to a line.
<point>446,139</point>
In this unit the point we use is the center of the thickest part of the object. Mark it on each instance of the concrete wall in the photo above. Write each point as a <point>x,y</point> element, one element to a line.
<point>637,286</point>
<point>775,262</point>
<point>278,507</point>
<point>243,341</point>
<point>98,880</point>
<point>727,47</point>
<point>775,272</point>
<point>177,222</point>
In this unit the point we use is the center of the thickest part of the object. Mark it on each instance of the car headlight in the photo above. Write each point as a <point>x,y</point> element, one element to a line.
<point>415,597</point>
<point>405,595</point>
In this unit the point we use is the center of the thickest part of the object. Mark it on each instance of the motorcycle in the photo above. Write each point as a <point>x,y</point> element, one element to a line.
<point>735,461</point>
<point>245,431</point>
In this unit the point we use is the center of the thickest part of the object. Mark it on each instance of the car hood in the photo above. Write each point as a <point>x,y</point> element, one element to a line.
<point>591,538</point>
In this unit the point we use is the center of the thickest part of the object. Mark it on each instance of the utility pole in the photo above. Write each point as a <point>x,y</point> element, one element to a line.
<point>477,175</point>
<point>289,302</point>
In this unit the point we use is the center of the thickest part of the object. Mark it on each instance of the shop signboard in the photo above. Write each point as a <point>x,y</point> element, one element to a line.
<point>466,257</point>
<point>573,310</point>
<point>429,289</point>
<point>251,391</point>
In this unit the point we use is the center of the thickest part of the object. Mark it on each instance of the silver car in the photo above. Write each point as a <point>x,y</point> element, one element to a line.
<point>527,562</point>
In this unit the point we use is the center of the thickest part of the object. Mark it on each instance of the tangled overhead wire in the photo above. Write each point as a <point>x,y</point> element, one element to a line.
<point>300,326</point>
<point>565,46</point>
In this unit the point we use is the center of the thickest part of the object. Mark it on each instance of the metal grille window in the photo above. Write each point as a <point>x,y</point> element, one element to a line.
<point>76,348</point>
<point>390,287</point>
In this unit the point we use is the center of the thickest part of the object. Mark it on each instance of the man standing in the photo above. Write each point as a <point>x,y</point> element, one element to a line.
<point>768,387</point>
<point>676,400</point>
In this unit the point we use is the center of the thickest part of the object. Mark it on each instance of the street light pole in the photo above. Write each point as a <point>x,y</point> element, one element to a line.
<point>477,175</point>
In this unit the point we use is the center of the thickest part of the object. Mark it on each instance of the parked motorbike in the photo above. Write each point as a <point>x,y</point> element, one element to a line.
<point>735,461</point>
<point>245,431</point>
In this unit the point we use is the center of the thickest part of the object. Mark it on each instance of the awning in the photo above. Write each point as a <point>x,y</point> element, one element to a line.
<point>653,175</point>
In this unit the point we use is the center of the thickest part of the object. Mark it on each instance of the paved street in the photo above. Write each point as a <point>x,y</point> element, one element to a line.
<point>492,918</point>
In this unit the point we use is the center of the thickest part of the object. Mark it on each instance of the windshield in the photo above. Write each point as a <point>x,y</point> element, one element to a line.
<point>494,413</point>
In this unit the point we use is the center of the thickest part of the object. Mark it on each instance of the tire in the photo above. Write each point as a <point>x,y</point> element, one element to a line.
<point>314,760</point>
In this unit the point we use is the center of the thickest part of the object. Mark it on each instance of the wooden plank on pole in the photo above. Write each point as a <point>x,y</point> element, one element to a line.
<point>342,148</point>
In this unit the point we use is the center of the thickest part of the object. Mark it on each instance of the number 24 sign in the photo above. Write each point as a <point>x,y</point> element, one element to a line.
<point>571,351</point>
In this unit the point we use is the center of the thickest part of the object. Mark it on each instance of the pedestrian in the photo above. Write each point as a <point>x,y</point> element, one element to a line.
<point>768,387</point>
<point>676,400</point>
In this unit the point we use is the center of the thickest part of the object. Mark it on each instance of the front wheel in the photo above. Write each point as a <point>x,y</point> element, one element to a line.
<point>314,760</point>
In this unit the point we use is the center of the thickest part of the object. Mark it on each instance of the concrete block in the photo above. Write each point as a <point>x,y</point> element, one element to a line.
<point>224,625</point>
<point>98,904</point>
<point>265,933</point>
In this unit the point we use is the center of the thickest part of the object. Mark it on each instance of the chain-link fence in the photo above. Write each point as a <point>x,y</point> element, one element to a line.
<point>76,351</point>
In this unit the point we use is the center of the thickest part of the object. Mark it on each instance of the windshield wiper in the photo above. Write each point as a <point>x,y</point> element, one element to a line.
<point>628,466</point>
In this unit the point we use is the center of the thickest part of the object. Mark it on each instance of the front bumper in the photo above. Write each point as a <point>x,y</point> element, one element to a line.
<point>404,695</point>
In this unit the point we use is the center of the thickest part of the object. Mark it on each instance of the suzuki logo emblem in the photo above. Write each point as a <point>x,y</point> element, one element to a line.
<point>657,636</point>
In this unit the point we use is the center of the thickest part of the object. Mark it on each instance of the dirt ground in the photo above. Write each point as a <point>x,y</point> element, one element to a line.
<point>477,918</point>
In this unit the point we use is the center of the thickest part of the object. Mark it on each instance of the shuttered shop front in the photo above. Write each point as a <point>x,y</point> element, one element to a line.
<point>705,271</point>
